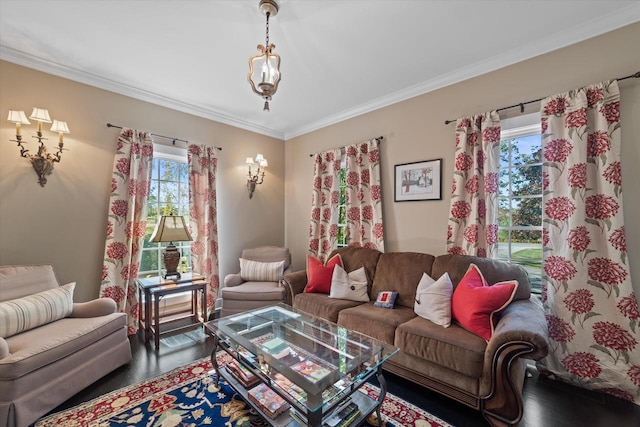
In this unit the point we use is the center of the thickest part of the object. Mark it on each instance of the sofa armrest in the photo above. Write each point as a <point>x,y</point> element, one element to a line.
<point>522,321</point>
<point>4,348</point>
<point>294,283</point>
<point>521,332</point>
<point>95,308</point>
<point>233,279</point>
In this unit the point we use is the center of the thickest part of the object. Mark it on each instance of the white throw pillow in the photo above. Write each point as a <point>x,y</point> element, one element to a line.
<point>433,299</point>
<point>21,314</point>
<point>351,286</point>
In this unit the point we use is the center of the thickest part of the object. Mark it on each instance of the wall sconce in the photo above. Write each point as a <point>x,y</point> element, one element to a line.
<point>257,176</point>
<point>42,162</point>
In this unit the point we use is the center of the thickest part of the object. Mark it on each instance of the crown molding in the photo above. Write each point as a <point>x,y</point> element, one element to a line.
<point>50,67</point>
<point>590,29</point>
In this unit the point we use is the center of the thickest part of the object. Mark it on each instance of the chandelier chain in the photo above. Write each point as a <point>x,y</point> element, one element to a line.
<point>267,45</point>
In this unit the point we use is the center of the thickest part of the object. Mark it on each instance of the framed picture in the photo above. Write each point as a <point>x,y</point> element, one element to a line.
<point>418,181</point>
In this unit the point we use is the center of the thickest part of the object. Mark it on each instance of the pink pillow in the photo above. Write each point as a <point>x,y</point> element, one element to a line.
<point>475,305</point>
<point>320,275</point>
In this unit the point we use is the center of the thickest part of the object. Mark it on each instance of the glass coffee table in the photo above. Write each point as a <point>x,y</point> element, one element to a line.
<point>313,368</point>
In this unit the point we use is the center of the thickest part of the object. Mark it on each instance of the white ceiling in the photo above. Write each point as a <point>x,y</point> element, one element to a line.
<point>339,58</point>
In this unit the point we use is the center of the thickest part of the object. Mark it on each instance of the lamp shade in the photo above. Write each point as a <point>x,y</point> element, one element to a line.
<point>59,126</point>
<point>171,229</point>
<point>41,115</point>
<point>16,116</point>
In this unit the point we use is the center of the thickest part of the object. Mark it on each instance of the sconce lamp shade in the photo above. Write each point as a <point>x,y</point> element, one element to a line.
<point>171,229</point>
<point>41,115</point>
<point>249,160</point>
<point>59,126</point>
<point>18,117</point>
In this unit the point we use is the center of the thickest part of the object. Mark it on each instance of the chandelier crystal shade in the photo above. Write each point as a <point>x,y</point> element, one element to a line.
<point>264,67</point>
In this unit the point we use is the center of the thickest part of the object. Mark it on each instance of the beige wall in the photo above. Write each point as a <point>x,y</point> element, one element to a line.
<point>413,130</point>
<point>62,224</point>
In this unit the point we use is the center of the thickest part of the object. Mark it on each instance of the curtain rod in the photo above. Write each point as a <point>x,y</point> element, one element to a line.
<point>379,139</point>
<point>522,104</point>
<point>109,125</point>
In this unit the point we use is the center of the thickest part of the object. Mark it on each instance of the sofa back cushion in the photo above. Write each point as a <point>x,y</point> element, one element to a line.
<point>493,271</point>
<point>21,314</point>
<point>353,258</point>
<point>21,280</point>
<point>268,254</point>
<point>401,272</point>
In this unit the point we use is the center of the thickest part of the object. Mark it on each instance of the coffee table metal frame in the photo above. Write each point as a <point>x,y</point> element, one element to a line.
<point>229,336</point>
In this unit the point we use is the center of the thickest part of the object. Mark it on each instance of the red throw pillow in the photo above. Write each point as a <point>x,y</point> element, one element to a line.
<point>475,305</point>
<point>319,275</point>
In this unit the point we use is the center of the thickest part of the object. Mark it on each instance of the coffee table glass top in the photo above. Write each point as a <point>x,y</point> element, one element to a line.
<point>315,361</point>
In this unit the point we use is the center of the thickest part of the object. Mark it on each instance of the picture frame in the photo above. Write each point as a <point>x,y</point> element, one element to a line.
<point>418,181</point>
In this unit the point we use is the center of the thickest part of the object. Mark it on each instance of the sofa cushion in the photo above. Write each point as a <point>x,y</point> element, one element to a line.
<point>17,281</point>
<point>321,305</point>
<point>30,350</point>
<point>374,321</point>
<point>433,299</point>
<point>320,274</point>
<point>28,312</point>
<point>261,271</point>
<point>401,272</point>
<point>354,257</point>
<point>476,305</point>
<point>351,286</point>
<point>494,271</point>
<point>454,348</point>
<point>254,291</point>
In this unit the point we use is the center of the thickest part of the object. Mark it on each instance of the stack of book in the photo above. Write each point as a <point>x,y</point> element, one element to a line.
<point>276,347</point>
<point>313,371</point>
<point>285,384</point>
<point>268,400</point>
<point>344,415</point>
<point>241,374</point>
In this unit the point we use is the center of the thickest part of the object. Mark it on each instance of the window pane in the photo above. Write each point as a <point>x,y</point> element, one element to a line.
<point>168,170</point>
<point>504,183</point>
<point>503,212</point>
<point>169,193</point>
<point>184,173</point>
<point>526,211</point>
<point>526,180</point>
<point>505,145</point>
<point>526,150</point>
<point>149,260</point>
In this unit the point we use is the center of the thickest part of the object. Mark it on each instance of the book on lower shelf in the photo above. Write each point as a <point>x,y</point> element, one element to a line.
<point>242,374</point>
<point>268,400</point>
<point>343,417</point>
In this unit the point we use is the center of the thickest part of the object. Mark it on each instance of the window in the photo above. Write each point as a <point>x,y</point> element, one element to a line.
<point>520,196</point>
<point>341,241</point>
<point>169,194</point>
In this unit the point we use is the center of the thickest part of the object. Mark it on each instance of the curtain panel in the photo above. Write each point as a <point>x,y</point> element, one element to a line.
<point>473,227</point>
<point>325,199</point>
<point>592,312</point>
<point>203,222</point>
<point>364,196</point>
<point>127,222</point>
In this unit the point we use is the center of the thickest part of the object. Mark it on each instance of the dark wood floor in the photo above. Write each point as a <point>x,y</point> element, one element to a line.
<point>546,402</point>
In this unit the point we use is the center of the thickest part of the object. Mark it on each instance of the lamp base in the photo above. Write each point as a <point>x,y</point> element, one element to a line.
<point>171,261</point>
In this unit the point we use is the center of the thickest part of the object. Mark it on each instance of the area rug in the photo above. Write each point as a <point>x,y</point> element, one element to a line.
<point>187,396</point>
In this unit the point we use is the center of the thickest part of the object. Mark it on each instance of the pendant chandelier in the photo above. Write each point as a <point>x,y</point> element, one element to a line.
<point>264,67</point>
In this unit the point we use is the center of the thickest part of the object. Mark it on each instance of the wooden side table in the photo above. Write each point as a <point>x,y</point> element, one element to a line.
<point>154,288</point>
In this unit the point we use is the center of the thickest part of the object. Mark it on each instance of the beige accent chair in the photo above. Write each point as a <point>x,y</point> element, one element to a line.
<point>240,295</point>
<point>42,367</point>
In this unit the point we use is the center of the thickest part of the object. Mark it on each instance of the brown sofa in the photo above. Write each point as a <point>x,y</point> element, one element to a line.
<point>487,376</point>
<point>43,366</point>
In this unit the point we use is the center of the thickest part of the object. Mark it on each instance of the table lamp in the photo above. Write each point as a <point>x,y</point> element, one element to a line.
<point>171,229</point>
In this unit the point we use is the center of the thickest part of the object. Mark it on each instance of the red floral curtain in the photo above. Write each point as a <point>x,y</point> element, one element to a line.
<point>473,227</point>
<point>323,229</point>
<point>127,222</point>
<point>592,312</point>
<point>364,195</point>
<point>203,164</point>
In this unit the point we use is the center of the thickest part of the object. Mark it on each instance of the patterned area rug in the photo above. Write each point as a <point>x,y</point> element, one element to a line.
<point>187,396</point>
